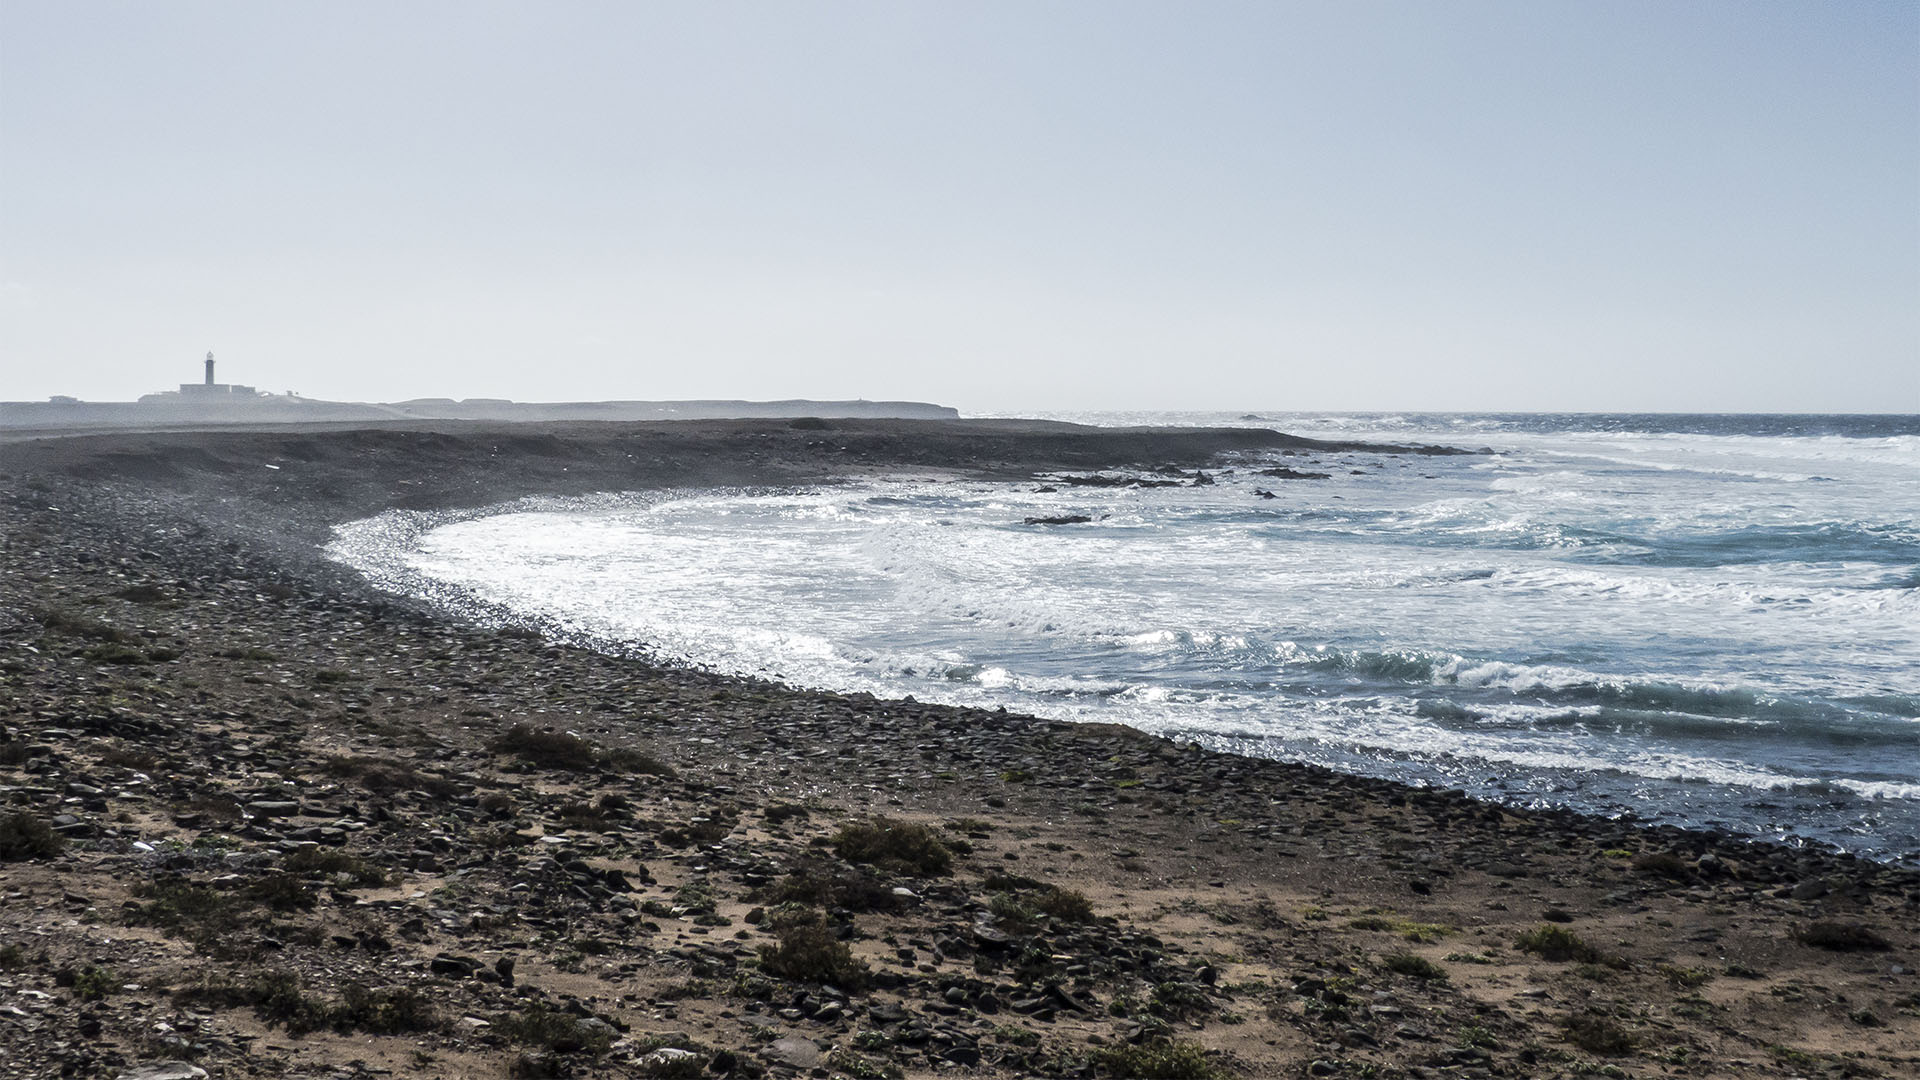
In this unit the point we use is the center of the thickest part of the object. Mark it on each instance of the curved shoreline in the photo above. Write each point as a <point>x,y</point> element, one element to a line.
<point>378,548</point>
<point>1257,886</point>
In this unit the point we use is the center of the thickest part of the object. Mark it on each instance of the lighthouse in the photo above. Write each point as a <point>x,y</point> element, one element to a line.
<point>203,391</point>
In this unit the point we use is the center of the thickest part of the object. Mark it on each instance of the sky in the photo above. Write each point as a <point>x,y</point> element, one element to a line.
<point>992,204</point>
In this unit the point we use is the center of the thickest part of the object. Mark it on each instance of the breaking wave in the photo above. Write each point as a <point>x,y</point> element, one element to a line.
<point>1662,616</point>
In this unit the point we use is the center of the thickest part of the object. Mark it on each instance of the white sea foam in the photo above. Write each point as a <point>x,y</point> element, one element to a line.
<point>1612,619</point>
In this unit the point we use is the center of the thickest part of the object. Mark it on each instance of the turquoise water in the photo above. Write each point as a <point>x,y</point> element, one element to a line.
<point>1700,620</point>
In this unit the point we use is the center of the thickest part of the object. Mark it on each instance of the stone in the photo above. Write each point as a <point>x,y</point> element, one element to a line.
<point>165,1070</point>
<point>1809,890</point>
<point>665,1060</point>
<point>797,1052</point>
<point>457,966</point>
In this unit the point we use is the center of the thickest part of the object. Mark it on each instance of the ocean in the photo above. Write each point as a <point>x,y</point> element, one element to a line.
<point>1698,620</point>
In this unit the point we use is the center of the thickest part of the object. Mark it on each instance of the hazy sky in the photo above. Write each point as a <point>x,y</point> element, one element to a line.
<point>995,205</point>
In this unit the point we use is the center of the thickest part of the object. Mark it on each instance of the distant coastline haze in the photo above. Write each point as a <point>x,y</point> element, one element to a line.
<point>1710,207</point>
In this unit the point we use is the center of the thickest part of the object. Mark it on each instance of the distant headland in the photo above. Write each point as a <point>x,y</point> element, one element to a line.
<point>210,402</point>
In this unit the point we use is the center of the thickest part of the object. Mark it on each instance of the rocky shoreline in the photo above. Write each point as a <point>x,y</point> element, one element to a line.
<point>261,820</point>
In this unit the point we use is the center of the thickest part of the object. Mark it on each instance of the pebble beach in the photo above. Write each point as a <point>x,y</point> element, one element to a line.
<point>262,819</point>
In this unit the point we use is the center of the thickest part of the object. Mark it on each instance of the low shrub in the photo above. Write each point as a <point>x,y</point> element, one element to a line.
<point>1067,905</point>
<point>279,892</point>
<point>278,999</point>
<point>546,749</point>
<point>93,983</point>
<point>332,863</point>
<point>177,904</point>
<point>781,813</point>
<point>1014,1035</point>
<point>1598,1035</point>
<point>1173,1060</point>
<point>1180,1000</point>
<point>1418,967</point>
<point>552,1029</point>
<point>900,846</point>
<point>1558,944</point>
<point>827,884</point>
<point>23,836</point>
<point>808,952</point>
<point>383,1010</point>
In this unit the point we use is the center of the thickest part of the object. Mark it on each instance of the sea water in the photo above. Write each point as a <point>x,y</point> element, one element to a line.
<point>1708,621</point>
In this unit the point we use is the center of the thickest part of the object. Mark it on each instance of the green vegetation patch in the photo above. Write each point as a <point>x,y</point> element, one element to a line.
<point>900,846</point>
<point>1597,1034</point>
<point>278,999</point>
<point>1024,901</point>
<point>1558,944</point>
<point>808,952</point>
<point>92,983</point>
<point>827,884</point>
<point>23,836</point>
<point>335,864</point>
<point>213,918</point>
<point>553,1029</point>
<point>1418,967</point>
<point>1174,1060</point>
